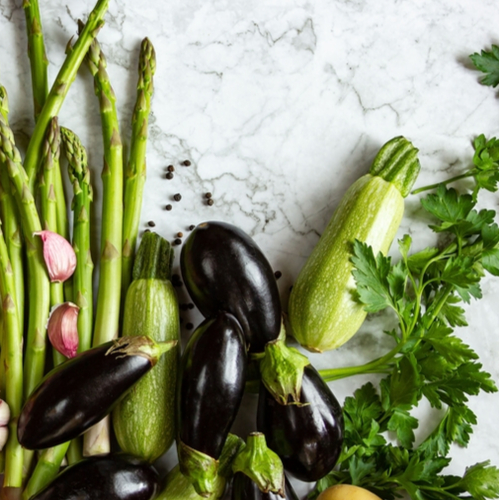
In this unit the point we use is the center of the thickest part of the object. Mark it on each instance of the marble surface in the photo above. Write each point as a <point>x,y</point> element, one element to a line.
<point>279,106</point>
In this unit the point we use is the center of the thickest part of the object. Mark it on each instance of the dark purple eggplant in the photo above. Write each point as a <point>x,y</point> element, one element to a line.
<point>224,269</point>
<point>212,383</point>
<point>81,391</point>
<point>307,437</point>
<point>246,489</point>
<point>104,477</point>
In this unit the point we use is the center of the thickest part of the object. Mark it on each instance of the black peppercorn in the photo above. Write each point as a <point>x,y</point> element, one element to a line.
<point>208,195</point>
<point>210,202</point>
<point>277,275</point>
<point>169,175</point>
<point>171,168</point>
<point>168,207</point>
<point>151,223</point>
<point>191,227</point>
<point>177,197</point>
<point>186,163</point>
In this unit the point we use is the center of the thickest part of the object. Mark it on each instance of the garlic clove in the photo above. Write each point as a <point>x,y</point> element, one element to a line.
<point>4,413</point>
<point>4,434</point>
<point>59,256</point>
<point>62,328</point>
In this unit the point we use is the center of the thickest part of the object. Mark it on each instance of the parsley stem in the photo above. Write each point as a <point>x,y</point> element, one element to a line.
<point>378,365</point>
<point>470,173</point>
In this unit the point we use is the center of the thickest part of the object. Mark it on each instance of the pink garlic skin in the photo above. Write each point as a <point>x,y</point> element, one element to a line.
<point>62,328</point>
<point>4,422</point>
<point>59,256</point>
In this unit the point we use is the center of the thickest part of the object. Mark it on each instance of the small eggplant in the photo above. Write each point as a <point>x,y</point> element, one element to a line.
<point>81,391</point>
<point>246,489</point>
<point>307,436</point>
<point>224,269</point>
<point>213,373</point>
<point>104,477</point>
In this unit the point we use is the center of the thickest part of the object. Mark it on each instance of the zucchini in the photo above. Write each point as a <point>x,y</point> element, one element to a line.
<point>144,421</point>
<point>323,313</point>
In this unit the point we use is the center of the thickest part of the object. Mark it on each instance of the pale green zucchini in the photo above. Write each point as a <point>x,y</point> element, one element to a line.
<point>144,421</point>
<point>322,311</point>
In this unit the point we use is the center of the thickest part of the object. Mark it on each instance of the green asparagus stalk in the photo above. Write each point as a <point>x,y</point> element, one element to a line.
<point>13,359</point>
<point>96,440</point>
<point>39,284</point>
<point>11,221</point>
<point>46,469</point>
<point>48,204</point>
<point>79,174</point>
<point>135,173</point>
<point>36,54</point>
<point>60,88</point>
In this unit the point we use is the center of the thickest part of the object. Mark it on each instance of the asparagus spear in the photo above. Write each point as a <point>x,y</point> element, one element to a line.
<point>13,359</point>
<point>11,221</point>
<point>96,440</point>
<point>135,174</point>
<point>79,174</point>
<point>61,86</point>
<point>39,285</point>
<point>48,204</point>
<point>36,54</point>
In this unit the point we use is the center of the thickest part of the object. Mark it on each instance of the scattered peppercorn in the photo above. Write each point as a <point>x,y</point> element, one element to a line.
<point>177,241</point>
<point>191,227</point>
<point>179,234</point>
<point>210,202</point>
<point>151,223</point>
<point>186,163</point>
<point>190,305</point>
<point>168,207</point>
<point>171,168</point>
<point>177,197</point>
<point>277,275</point>
<point>189,326</point>
<point>183,307</point>
<point>208,195</point>
<point>169,175</point>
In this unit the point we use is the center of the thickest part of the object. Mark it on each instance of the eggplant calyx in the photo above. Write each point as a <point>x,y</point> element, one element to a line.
<point>200,468</point>
<point>281,370</point>
<point>140,345</point>
<point>262,465</point>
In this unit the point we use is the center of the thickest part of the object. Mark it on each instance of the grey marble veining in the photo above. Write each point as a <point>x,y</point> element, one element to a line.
<point>280,106</point>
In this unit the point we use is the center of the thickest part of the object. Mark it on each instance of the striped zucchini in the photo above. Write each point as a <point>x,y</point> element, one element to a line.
<point>322,311</point>
<point>144,421</point>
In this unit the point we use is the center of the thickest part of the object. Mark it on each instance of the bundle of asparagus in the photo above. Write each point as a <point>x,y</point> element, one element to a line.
<point>35,219</point>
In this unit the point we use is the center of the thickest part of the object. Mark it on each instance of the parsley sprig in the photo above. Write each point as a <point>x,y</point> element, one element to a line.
<point>424,290</point>
<point>484,169</point>
<point>487,63</point>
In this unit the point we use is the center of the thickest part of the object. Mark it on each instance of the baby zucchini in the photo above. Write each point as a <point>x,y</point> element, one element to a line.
<point>323,313</point>
<point>144,421</point>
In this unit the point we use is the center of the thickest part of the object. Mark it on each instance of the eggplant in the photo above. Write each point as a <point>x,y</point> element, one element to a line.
<point>212,383</point>
<point>307,436</point>
<point>81,391</point>
<point>246,489</point>
<point>224,269</point>
<point>104,477</point>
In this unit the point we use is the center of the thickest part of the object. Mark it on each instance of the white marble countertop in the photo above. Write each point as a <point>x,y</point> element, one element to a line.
<point>280,106</point>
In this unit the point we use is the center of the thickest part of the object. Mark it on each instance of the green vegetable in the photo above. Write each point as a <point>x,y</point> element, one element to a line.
<point>37,56</point>
<point>11,340</point>
<point>106,326</point>
<point>144,421</point>
<point>79,175</point>
<point>180,487</point>
<point>487,62</point>
<point>322,311</point>
<point>423,291</point>
<point>485,169</point>
<point>61,86</point>
<point>135,174</point>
